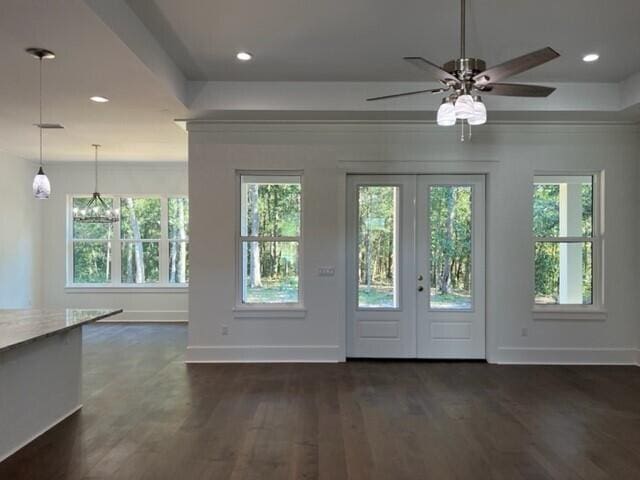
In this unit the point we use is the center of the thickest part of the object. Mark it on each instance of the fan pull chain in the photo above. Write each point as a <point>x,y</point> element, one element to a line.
<point>469,133</point>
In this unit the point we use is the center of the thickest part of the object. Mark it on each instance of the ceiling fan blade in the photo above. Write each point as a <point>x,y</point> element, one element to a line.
<point>395,95</point>
<point>435,70</point>
<point>515,66</point>
<point>516,90</point>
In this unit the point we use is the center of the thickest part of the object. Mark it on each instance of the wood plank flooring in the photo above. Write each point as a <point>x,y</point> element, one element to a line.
<point>147,415</point>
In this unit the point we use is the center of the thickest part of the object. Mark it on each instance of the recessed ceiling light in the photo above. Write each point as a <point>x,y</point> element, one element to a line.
<point>244,56</point>
<point>591,57</point>
<point>99,99</point>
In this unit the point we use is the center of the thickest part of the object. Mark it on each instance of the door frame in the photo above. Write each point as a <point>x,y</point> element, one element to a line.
<point>354,178</point>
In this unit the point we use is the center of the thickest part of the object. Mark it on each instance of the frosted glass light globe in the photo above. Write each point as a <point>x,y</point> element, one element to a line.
<point>464,107</point>
<point>446,114</point>
<point>479,113</point>
<point>41,186</point>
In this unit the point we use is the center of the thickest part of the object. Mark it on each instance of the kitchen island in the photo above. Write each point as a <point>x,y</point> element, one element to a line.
<point>40,370</point>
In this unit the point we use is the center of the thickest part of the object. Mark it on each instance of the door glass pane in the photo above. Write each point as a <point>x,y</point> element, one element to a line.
<point>450,224</point>
<point>377,246</point>
<point>563,273</point>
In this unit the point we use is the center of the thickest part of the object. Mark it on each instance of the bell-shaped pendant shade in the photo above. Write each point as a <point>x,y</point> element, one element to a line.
<point>446,114</point>
<point>464,107</point>
<point>479,113</point>
<point>41,185</point>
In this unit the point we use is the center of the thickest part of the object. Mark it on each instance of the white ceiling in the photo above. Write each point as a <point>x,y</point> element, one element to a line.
<point>365,40</point>
<point>164,59</point>
<point>136,125</point>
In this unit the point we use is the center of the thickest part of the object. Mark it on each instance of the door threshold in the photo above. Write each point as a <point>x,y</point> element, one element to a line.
<point>421,360</point>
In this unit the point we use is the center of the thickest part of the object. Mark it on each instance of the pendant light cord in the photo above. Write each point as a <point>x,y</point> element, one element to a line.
<point>40,124</point>
<point>463,25</point>
<point>96,165</point>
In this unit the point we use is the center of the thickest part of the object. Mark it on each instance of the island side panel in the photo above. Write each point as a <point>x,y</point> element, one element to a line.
<point>40,385</point>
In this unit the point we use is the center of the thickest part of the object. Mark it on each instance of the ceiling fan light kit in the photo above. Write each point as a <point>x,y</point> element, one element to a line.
<point>466,78</point>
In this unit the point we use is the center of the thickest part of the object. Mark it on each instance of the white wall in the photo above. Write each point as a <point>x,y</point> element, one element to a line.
<point>125,178</point>
<point>508,154</point>
<point>20,235</point>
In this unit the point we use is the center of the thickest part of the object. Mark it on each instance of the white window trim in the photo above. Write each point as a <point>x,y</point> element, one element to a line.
<point>597,310</point>
<point>264,311</point>
<point>116,285</point>
<point>268,310</point>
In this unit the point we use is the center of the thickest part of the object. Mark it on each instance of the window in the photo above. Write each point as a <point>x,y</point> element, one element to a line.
<point>148,246</point>
<point>567,241</point>
<point>178,240</point>
<point>140,240</point>
<point>270,239</point>
<point>92,247</point>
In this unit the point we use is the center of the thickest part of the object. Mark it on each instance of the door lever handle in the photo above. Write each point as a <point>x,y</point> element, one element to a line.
<point>420,288</point>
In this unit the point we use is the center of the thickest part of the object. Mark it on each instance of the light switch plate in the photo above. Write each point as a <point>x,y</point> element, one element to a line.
<point>326,271</point>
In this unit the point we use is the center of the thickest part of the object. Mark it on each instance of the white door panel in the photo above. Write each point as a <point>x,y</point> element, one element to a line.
<point>381,306</point>
<point>450,224</point>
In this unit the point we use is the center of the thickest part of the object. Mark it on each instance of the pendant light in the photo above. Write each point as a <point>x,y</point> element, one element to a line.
<point>41,184</point>
<point>97,210</point>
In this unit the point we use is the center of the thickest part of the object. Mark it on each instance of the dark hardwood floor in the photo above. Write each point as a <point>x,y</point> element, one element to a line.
<point>147,415</point>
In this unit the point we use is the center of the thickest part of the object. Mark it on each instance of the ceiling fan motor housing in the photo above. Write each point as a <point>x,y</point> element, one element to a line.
<point>465,68</point>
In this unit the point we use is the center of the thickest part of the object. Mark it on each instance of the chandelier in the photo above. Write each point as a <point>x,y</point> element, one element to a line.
<point>96,210</point>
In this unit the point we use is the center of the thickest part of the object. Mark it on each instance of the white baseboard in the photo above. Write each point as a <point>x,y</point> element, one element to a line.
<point>152,316</point>
<point>264,353</point>
<point>567,356</point>
<point>46,429</point>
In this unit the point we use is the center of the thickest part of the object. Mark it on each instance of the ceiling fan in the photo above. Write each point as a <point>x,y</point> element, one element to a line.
<point>468,78</point>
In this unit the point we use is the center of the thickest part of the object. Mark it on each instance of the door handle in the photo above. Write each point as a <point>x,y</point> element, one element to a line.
<point>420,288</point>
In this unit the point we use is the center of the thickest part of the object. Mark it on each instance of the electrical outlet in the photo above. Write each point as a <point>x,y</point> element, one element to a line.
<point>225,329</point>
<point>326,271</point>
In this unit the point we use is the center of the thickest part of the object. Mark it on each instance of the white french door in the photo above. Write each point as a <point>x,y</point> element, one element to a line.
<point>415,266</point>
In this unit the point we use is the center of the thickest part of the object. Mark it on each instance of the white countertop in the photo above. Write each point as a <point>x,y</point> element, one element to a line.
<point>22,326</point>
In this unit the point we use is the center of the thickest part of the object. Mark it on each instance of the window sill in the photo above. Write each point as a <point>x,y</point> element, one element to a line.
<point>126,289</point>
<point>570,315</point>
<point>267,312</point>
